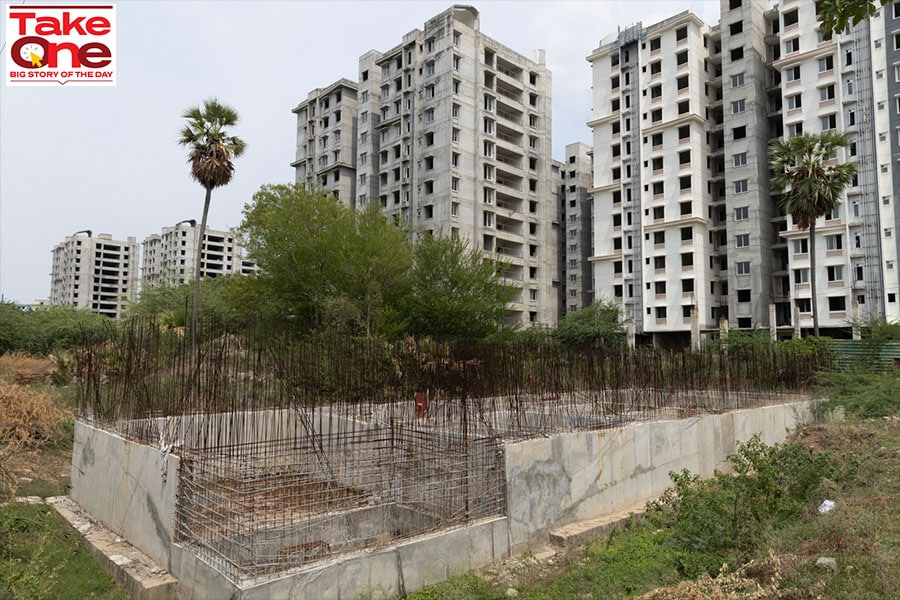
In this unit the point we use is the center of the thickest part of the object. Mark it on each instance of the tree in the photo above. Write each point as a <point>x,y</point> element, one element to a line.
<point>835,15</point>
<point>812,181</point>
<point>210,154</point>
<point>455,291</point>
<point>221,300</point>
<point>326,265</point>
<point>598,325</point>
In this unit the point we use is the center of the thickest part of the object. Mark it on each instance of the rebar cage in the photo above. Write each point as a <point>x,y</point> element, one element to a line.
<point>295,450</point>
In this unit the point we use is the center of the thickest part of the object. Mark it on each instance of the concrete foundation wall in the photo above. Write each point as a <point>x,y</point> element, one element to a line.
<point>572,476</point>
<point>129,487</point>
<point>549,481</point>
<point>384,573</point>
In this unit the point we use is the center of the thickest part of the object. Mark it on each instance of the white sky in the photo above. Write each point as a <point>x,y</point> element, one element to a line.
<point>106,158</point>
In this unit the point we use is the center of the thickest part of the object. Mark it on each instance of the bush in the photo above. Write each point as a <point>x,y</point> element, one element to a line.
<point>598,325</point>
<point>726,518</point>
<point>862,393</point>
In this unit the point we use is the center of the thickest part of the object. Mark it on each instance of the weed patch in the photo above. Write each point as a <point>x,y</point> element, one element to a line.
<point>725,520</point>
<point>42,557</point>
<point>861,393</point>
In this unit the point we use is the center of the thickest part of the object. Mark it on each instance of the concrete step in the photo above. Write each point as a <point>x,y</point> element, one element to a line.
<point>141,577</point>
<point>582,532</point>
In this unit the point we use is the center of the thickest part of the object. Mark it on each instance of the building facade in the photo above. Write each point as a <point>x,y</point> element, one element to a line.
<point>170,257</point>
<point>576,240</point>
<point>326,140</point>
<point>687,229</point>
<point>453,138</point>
<point>99,274</point>
<point>653,182</point>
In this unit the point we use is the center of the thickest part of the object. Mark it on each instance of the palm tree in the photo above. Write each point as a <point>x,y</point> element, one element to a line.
<point>806,170</point>
<point>210,154</point>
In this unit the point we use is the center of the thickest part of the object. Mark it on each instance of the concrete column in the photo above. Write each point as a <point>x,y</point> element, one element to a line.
<point>695,329</point>
<point>773,328</point>
<point>797,333</point>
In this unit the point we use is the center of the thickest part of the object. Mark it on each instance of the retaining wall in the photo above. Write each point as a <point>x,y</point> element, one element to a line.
<point>568,477</point>
<point>129,487</point>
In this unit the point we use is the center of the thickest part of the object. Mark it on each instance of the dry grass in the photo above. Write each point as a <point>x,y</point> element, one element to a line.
<point>25,369</point>
<point>30,420</point>
<point>757,580</point>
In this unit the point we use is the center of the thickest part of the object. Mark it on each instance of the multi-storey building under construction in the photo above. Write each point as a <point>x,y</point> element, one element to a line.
<point>687,229</point>
<point>452,137</point>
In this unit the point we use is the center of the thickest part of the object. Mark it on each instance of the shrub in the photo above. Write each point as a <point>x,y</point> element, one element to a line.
<point>725,519</point>
<point>862,393</point>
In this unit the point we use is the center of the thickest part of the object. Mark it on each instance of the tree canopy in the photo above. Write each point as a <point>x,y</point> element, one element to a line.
<point>326,266</point>
<point>455,291</point>
<point>598,325</point>
<point>211,151</point>
<point>836,15</point>
<point>806,169</point>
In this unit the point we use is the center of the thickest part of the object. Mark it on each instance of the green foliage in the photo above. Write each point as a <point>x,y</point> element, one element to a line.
<point>725,519</point>
<point>862,393</point>
<point>597,326</point>
<point>41,557</point>
<point>46,329</point>
<point>325,265</point>
<point>536,336</point>
<point>455,292</point>
<point>633,561</point>
<point>210,148</point>
<point>465,587</point>
<point>222,300</point>
<point>739,343</point>
<point>836,15</point>
<point>807,347</point>
<point>875,333</point>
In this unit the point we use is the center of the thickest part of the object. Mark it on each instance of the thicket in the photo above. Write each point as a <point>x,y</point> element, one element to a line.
<point>47,329</point>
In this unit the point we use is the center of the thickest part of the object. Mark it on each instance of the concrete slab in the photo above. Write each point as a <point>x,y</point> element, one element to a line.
<point>582,532</point>
<point>131,568</point>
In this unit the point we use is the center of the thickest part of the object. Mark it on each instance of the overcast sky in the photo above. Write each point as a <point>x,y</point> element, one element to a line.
<point>106,158</point>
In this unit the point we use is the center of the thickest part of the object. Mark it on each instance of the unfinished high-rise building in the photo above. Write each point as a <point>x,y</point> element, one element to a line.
<point>326,140</point>
<point>576,241</point>
<point>687,228</point>
<point>170,257</point>
<point>453,138</point>
<point>99,273</point>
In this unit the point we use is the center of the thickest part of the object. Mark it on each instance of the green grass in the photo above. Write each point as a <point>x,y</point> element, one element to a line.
<point>42,557</point>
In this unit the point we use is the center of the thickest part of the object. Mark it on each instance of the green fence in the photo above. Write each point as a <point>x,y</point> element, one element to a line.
<point>863,353</point>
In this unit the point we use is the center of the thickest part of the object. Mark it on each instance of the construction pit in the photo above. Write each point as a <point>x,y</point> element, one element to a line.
<point>332,503</point>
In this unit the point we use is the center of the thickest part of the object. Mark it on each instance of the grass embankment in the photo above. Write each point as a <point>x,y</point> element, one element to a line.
<point>41,556</point>
<point>755,534</point>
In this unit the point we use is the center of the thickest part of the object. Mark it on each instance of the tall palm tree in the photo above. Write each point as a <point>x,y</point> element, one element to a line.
<point>806,170</point>
<point>210,154</point>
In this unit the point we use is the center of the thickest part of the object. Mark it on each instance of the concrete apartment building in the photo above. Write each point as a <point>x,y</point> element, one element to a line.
<point>453,138</point>
<point>326,140</point>
<point>170,257</point>
<point>654,92</point>
<point>99,274</point>
<point>684,217</point>
<point>576,223</point>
